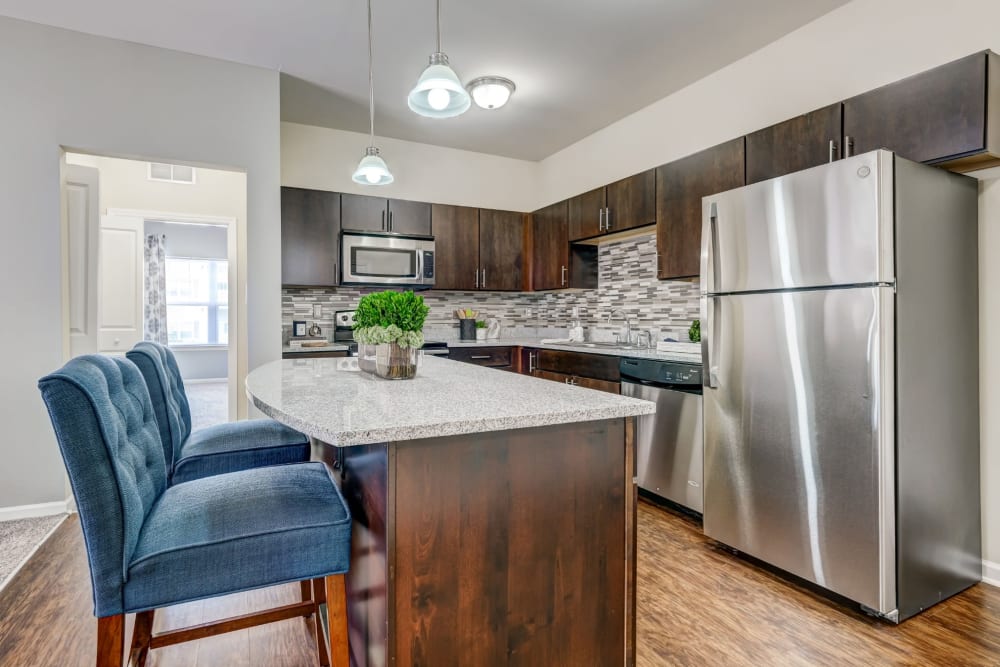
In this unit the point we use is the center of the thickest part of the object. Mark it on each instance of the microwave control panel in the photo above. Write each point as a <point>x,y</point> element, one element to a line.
<point>428,263</point>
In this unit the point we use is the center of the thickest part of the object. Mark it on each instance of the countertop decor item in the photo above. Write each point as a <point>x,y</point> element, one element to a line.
<point>480,330</point>
<point>694,333</point>
<point>493,328</point>
<point>299,328</point>
<point>388,327</point>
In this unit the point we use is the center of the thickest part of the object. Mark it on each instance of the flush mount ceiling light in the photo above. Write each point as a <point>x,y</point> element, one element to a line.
<point>439,92</point>
<point>491,92</point>
<point>372,170</point>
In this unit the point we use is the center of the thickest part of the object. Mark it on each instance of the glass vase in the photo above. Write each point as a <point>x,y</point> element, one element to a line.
<point>393,362</point>
<point>366,357</point>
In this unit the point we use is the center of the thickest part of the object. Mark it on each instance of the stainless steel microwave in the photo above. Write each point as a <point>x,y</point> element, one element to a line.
<point>385,258</point>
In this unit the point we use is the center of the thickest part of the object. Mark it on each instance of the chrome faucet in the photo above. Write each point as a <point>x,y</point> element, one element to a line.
<point>628,325</point>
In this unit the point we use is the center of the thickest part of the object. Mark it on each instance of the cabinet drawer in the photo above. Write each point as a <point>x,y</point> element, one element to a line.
<point>589,383</point>
<point>586,365</point>
<point>482,356</point>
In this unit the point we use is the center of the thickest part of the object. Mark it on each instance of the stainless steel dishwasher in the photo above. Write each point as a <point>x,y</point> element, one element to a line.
<point>669,445</point>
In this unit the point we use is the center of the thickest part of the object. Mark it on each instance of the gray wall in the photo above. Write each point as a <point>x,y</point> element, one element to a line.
<point>66,89</point>
<point>204,242</point>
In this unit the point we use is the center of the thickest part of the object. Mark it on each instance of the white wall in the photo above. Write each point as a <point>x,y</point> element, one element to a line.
<point>855,48</point>
<point>324,159</point>
<point>96,95</point>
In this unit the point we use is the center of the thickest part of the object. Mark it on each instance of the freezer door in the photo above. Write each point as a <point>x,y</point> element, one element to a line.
<point>799,438</point>
<point>830,225</point>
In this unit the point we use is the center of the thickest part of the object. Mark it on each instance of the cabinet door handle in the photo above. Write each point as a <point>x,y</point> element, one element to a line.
<point>531,362</point>
<point>479,356</point>
<point>484,279</point>
<point>390,221</point>
<point>383,221</point>
<point>833,150</point>
<point>607,219</point>
<point>477,278</point>
<point>600,219</point>
<point>848,146</point>
<point>562,277</point>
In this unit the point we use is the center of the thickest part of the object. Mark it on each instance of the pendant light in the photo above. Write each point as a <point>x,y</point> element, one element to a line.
<point>439,93</point>
<point>372,169</point>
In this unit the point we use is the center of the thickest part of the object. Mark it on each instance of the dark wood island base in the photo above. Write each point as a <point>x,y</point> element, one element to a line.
<point>498,548</point>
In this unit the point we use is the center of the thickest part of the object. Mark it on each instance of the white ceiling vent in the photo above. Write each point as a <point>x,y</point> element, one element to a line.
<point>171,173</point>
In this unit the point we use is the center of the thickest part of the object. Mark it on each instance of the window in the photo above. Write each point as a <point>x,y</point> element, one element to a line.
<point>171,173</point>
<point>197,301</point>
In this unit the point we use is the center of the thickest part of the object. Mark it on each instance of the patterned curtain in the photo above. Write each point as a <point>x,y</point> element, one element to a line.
<point>155,255</point>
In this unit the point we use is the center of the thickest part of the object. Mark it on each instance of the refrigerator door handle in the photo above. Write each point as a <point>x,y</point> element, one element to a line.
<point>709,341</point>
<point>709,247</point>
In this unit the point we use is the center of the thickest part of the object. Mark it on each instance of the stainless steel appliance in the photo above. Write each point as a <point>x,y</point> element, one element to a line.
<point>839,338</point>
<point>343,332</point>
<point>387,258</point>
<point>668,444</point>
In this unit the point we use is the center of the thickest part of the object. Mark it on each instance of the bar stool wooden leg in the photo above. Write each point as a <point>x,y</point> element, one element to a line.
<point>142,633</point>
<point>110,640</point>
<point>319,597</point>
<point>336,611</point>
<point>307,596</point>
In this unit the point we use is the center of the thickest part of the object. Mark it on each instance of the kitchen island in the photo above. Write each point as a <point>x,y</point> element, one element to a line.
<point>494,514</point>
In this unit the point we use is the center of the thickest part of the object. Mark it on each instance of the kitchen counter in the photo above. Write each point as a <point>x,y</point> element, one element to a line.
<point>331,400</point>
<point>694,357</point>
<point>505,483</point>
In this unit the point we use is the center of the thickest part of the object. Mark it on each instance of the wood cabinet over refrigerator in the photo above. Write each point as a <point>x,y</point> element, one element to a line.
<point>680,185</point>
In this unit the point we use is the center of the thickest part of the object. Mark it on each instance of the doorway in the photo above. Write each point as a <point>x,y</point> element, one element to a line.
<point>153,253</point>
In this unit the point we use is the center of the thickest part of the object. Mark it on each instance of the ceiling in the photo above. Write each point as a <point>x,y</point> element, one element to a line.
<point>579,65</point>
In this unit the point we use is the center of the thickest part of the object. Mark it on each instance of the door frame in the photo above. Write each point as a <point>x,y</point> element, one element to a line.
<point>236,357</point>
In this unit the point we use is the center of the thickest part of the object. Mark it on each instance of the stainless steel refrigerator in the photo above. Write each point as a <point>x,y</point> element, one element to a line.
<point>841,390</point>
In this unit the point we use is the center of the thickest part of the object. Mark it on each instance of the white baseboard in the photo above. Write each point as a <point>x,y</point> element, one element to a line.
<point>206,381</point>
<point>41,509</point>
<point>991,573</point>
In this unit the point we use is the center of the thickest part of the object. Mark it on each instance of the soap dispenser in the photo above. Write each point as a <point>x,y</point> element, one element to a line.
<point>575,327</point>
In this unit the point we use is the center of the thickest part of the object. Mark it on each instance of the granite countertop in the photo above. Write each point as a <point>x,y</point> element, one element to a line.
<point>287,349</point>
<point>333,401</point>
<point>694,357</point>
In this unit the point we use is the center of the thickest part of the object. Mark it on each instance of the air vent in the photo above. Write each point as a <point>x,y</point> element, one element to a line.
<point>171,173</point>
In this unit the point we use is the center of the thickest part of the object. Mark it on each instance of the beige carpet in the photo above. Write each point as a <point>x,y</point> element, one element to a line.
<point>19,538</point>
<point>209,403</point>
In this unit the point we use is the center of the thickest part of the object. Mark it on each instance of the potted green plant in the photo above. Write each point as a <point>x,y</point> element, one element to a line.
<point>388,327</point>
<point>694,332</point>
<point>480,330</point>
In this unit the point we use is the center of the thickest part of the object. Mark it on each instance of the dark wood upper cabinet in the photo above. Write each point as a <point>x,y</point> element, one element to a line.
<point>805,141</point>
<point>680,186</point>
<point>310,237</point>
<point>585,214</point>
<point>378,214</point>
<point>631,202</point>
<point>501,250</point>
<point>364,213</point>
<point>456,246</point>
<point>550,248</point>
<point>409,217</point>
<point>948,114</point>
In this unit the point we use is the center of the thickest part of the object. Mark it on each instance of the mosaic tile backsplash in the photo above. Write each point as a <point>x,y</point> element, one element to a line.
<point>626,280</point>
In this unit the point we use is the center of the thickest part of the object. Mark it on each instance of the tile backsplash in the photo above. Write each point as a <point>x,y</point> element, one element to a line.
<point>626,280</point>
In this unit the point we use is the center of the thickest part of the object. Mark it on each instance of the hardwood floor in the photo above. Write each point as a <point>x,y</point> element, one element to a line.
<point>697,605</point>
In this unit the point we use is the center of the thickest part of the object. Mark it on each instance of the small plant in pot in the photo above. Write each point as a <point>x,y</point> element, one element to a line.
<point>480,329</point>
<point>388,327</point>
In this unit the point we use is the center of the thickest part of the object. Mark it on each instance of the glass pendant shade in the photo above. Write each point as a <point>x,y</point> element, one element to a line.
<point>372,170</point>
<point>491,92</point>
<point>439,93</point>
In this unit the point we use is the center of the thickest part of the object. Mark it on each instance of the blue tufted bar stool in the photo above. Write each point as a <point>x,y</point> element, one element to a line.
<point>216,449</point>
<point>151,545</point>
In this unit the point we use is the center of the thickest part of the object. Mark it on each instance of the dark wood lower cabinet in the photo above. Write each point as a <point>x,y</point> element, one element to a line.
<point>584,364</point>
<point>578,381</point>
<point>500,548</point>
<point>494,357</point>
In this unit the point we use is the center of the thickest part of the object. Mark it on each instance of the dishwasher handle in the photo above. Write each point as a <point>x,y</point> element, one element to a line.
<point>665,386</point>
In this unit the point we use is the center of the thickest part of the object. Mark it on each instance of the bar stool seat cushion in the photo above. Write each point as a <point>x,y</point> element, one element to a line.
<point>238,446</point>
<point>238,531</point>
